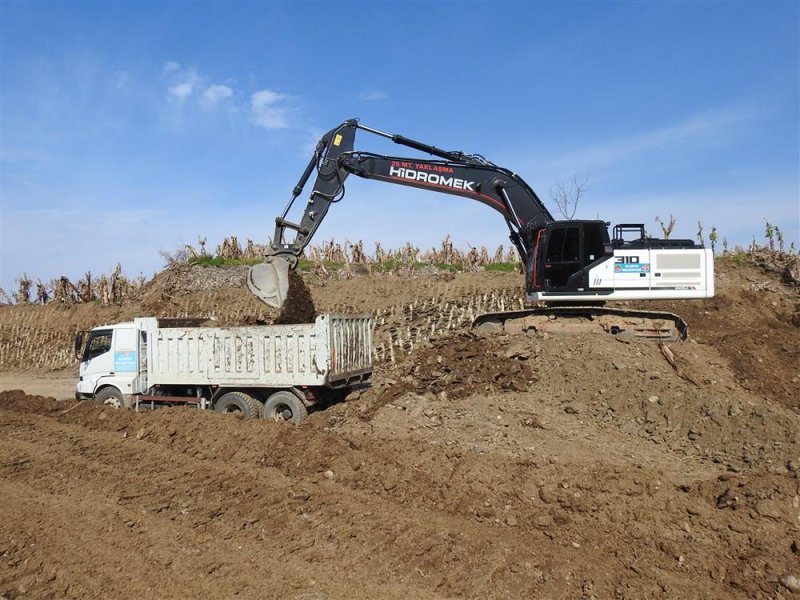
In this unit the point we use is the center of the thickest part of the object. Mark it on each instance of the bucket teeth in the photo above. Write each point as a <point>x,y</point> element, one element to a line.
<point>269,281</point>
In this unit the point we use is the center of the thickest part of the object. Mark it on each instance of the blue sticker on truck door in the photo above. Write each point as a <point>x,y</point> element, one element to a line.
<point>126,361</point>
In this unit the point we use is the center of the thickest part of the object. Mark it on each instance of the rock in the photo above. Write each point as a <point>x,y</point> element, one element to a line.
<point>314,595</point>
<point>547,495</point>
<point>575,408</point>
<point>619,366</point>
<point>543,521</point>
<point>738,528</point>
<point>141,434</point>
<point>511,521</point>
<point>791,582</point>
<point>300,495</point>
<point>770,509</point>
<point>328,474</point>
<point>793,465</point>
<point>670,549</point>
<point>519,352</point>
<point>652,399</point>
<point>727,500</point>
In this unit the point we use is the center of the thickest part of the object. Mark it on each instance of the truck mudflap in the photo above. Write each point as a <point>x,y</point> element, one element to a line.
<point>639,324</point>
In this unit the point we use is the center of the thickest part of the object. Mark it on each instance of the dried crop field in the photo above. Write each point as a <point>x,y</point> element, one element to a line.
<point>479,466</point>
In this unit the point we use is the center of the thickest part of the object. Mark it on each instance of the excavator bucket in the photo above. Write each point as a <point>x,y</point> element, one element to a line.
<point>269,280</point>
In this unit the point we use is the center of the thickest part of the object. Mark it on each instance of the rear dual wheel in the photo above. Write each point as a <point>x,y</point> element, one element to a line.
<point>238,403</point>
<point>285,406</point>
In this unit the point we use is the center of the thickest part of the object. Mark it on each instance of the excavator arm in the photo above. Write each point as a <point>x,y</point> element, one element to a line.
<point>334,159</point>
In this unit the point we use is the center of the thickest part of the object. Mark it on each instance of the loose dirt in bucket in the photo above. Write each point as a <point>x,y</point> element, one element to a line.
<point>299,304</point>
<point>478,466</point>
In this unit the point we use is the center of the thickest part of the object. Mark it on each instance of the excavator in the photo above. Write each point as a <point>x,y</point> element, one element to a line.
<point>572,267</point>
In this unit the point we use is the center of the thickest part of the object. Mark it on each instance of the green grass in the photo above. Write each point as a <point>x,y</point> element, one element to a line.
<point>503,267</point>
<point>739,258</point>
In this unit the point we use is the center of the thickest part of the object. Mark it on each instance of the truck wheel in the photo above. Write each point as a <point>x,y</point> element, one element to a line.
<point>285,406</point>
<point>238,403</point>
<point>110,396</point>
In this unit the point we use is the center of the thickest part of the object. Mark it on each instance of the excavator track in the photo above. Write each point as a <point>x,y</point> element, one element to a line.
<point>568,320</point>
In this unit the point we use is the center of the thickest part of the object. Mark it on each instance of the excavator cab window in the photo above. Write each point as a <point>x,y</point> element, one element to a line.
<point>568,248</point>
<point>563,256</point>
<point>595,242</point>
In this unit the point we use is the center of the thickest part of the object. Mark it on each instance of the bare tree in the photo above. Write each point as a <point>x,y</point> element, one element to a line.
<point>666,230</point>
<point>567,196</point>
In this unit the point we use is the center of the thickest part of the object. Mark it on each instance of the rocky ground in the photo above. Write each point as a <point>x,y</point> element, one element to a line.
<point>483,466</point>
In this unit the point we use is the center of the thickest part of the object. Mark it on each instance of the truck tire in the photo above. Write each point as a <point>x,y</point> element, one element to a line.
<point>110,396</point>
<point>238,403</point>
<point>285,406</point>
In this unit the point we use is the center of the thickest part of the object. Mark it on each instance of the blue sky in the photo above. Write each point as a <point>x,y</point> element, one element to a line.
<point>128,128</point>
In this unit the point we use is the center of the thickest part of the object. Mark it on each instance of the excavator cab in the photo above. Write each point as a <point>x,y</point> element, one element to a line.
<point>564,253</point>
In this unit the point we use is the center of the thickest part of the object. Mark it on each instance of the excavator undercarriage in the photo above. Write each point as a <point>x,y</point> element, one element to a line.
<point>625,324</point>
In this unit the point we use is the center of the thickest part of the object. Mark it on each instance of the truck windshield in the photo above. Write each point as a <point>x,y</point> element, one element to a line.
<point>99,343</point>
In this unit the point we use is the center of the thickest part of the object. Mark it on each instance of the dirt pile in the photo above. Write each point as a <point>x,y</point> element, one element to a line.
<point>119,503</point>
<point>752,323</point>
<point>298,307</point>
<point>455,366</point>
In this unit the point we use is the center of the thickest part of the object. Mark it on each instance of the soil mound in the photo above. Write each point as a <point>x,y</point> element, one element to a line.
<point>456,366</point>
<point>431,503</point>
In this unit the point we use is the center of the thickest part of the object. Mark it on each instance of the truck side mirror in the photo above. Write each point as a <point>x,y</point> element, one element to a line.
<point>78,344</point>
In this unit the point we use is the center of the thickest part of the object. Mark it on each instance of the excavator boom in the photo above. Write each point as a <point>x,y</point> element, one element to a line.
<point>458,173</point>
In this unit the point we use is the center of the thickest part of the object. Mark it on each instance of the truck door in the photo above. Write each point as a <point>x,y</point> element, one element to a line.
<point>97,360</point>
<point>126,358</point>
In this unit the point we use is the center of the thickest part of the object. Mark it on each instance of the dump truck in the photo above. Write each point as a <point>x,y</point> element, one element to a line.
<point>275,371</point>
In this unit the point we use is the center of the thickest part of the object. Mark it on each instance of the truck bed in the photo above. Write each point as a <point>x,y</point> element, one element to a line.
<point>332,351</point>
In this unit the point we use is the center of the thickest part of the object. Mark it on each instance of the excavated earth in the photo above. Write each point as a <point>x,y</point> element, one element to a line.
<point>476,466</point>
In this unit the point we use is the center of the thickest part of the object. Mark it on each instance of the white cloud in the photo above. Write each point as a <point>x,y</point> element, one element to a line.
<point>373,95</point>
<point>312,137</point>
<point>737,212</point>
<point>699,130</point>
<point>181,91</point>
<point>216,93</point>
<point>271,109</point>
<point>171,66</point>
<point>120,80</point>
